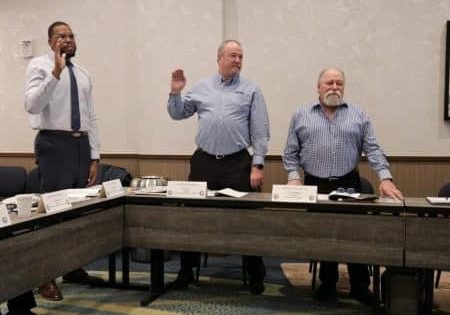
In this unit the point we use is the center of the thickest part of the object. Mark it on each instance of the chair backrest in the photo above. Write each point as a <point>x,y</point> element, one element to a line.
<point>444,191</point>
<point>12,180</point>
<point>33,182</point>
<point>107,172</point>
<point>366,186</point>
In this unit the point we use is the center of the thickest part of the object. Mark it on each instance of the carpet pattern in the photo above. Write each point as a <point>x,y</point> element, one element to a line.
<point>219,292</point>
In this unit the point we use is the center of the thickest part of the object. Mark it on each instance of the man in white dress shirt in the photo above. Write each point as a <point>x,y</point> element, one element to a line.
<point>59,102</point>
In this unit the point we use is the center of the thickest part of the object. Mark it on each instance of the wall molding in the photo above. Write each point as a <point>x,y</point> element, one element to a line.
<point>416,176</point>
<point>435,159</point>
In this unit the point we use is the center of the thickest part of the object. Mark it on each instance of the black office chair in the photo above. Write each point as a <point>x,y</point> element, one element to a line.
<point>443,192</point>
<point>366,188</point>
<point>107,172</point>
<point>33,182</point>
<point>12,180</point>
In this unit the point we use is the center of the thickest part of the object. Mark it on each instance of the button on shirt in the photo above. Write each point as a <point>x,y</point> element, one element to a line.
<point>232,116</point>
<point>327,148</point>
<point>47,99</point>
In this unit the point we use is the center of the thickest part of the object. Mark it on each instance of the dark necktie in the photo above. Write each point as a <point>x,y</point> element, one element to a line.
<point>74,103</point>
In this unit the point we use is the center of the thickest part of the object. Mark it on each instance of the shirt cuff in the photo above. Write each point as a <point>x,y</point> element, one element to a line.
<point>384,174</point>
<point>293,175</point>
<point>258,160</point>
<point>95,155</point>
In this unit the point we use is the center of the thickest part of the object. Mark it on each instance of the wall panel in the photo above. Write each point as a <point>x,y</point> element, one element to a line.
<point>415,176</point>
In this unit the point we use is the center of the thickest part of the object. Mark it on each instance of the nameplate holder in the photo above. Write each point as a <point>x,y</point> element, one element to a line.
<point>112,188</point>
<point>54,202</point>
<point>294,193</point>
<point>5,220</point>
<point>186,189</point>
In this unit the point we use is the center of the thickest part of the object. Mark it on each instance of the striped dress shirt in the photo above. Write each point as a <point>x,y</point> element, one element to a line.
<point>331,148</point>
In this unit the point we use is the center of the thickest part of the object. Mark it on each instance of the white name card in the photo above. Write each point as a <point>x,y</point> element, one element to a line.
<point>54,202</point>
<point>4,216</point>
<point>294,193</point>
<point>113,188</point>
<point>182,189</point>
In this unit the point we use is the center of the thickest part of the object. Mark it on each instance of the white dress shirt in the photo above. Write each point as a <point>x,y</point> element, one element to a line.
<point>47,99</point>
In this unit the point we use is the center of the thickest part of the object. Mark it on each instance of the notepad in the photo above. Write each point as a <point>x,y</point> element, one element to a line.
<point>227,192</point>
<point>338,196</point>
<point>438,200</point>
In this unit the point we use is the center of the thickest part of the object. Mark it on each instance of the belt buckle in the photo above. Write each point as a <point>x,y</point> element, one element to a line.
<point>332,178</point>
<point>76,134</point>
<point>219,157</point>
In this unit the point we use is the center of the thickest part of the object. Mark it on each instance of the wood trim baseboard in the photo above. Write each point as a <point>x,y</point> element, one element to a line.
<point>416,176</point>
<point>415,159</point>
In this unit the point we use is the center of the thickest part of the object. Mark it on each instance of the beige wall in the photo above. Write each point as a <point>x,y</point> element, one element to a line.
<point>392,51</point>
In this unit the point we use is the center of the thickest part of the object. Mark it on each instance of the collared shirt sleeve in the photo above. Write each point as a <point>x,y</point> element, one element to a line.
<point>291,154</point>
<point>94,141</point>
<point>181,108</point>
<point>375,155</point>
<point>259,127</point>
<point>39,87</point>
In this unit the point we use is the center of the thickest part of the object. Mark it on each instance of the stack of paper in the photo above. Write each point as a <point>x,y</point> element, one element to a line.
<point>438,200</point>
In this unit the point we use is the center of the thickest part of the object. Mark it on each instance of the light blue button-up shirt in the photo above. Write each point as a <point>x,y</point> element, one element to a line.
<point>232,116</point>
<point>327,148</point>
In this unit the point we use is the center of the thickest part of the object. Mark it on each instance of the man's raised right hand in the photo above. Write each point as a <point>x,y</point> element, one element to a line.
<point>178,81</point>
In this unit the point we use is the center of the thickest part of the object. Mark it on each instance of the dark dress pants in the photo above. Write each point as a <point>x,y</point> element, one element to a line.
<point>22,302</point>
<point>328,274</point>
<point>231,171</point>
<point>63,161</point>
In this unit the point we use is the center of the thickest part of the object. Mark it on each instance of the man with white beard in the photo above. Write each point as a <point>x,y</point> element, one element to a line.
<point>326,140</point>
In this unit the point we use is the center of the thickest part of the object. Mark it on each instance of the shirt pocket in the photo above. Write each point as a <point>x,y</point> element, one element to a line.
<point>239,102</point>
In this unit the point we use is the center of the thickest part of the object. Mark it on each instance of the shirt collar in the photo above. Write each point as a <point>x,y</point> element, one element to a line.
<point>233,80</point>
<point>317,105</point>
<point>51,56</point>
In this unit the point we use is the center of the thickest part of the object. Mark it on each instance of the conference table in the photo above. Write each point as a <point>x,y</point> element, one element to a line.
<point>45,246</point>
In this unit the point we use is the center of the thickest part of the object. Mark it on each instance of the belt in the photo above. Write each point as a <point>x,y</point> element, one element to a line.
<point>73,134</point>
<point>221,157</point>
<point>350,175</point>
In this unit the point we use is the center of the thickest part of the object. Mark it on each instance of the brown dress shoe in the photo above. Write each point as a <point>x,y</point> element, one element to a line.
<point>81,276</point>
<point>50,291</point>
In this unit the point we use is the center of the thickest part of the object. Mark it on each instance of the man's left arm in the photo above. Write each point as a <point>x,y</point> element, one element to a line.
<point>259,135</point>
<point>377,160</point>
<point>93,142</point>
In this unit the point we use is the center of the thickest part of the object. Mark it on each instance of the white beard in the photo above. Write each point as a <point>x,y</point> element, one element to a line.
<point>333,100</point>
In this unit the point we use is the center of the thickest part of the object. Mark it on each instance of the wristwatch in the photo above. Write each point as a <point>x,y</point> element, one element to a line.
<point>259,166</point>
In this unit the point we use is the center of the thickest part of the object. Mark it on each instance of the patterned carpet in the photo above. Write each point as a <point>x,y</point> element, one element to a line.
<point>289,293</point>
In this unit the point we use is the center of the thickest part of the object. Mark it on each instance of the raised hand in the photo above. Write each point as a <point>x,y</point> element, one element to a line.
<point>178,81</point>
<point>60,58</point>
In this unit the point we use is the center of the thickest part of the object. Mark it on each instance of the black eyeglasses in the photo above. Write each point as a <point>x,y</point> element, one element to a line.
<point>64,36</point>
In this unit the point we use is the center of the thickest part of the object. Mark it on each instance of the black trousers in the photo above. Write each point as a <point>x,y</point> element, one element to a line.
<point>22,302</point>
<point>328,274</point>
<point>232,171</point>
<point>63,161</point>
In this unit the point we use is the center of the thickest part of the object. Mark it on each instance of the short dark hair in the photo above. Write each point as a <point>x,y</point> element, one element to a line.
<point>53,25</point>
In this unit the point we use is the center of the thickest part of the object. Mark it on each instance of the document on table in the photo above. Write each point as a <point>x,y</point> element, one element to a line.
<point>227,192</point>
<point>152,190</point>
<point>80,194</point>
<point>438,200</point>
